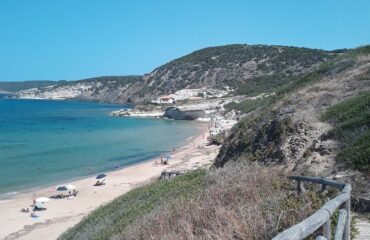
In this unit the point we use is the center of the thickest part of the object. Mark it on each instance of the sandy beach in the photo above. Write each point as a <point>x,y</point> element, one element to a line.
<point>62,214</point>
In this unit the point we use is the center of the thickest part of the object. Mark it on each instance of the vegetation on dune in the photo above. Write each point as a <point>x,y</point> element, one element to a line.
<point>114,217</point>
<point>256,138</point>
<point>329,68</point>
<point>238,201</point>
<point>263,122</point>
<point>351,121</point>
<point>335,66</point>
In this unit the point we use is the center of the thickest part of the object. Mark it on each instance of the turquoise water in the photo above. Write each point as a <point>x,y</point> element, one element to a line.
<point>45,142</point>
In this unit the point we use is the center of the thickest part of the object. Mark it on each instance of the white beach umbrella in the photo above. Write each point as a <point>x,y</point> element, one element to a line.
<point>42,199</point>
<point>70,187</point>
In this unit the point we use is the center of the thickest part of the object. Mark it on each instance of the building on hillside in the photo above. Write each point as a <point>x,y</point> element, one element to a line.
<point>165,100</point>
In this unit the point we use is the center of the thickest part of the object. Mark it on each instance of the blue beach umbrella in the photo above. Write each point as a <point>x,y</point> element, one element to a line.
<point>62,188</point>
<point>100,176</point>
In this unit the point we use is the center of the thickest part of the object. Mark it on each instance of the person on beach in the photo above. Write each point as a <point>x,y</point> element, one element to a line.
<point>34,200</point>
<point>33,214</point>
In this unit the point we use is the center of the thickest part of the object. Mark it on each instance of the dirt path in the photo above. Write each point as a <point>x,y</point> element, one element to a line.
<point>363,226</point>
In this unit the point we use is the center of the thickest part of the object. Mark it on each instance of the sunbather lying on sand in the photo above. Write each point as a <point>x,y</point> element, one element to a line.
<point>25,210</point>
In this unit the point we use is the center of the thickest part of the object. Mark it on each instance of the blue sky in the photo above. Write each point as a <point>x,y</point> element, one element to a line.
<point>75,39</point>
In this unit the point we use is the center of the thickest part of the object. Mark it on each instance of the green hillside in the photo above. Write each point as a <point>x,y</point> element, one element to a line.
<point>248,69</point>
<point>351,119</point>
<point>259,136</point>
<point>13,87</point>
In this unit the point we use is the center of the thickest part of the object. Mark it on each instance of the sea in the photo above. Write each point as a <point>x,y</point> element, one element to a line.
<point>46,142</point>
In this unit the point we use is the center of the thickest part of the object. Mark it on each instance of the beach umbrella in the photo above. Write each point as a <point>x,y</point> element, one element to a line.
<point>100,176</point>
<point>42,199</point>
<point>70,187</point>
<point>62,188</point>
<point>39,202</point>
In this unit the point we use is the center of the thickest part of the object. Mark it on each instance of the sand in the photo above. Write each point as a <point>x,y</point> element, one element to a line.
<point>62,214</point>
<point>363,226</point>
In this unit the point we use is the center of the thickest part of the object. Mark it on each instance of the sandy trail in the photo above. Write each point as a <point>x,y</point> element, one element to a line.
<point>62,214</point>
<point>363,226</point>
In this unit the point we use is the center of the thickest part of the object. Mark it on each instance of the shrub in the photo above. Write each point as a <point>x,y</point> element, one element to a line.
<point>351,120</point>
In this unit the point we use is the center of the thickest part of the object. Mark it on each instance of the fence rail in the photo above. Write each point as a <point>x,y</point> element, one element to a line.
<point>321,218</point>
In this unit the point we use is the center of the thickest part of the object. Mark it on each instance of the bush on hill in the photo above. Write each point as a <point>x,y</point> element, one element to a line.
<point>351,120</point>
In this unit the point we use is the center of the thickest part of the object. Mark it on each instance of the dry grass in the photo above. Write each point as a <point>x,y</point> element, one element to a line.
<point>238,202</point>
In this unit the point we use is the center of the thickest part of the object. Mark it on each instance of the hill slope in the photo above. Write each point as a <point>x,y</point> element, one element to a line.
<point>245,68</point>
<point>248,69</point>
<point>106,89</point>
<point>295,128</point>
<point>13,87</point>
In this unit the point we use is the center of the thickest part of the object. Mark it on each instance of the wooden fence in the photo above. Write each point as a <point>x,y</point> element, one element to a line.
<point>321,218</point>
<point>169,174</point>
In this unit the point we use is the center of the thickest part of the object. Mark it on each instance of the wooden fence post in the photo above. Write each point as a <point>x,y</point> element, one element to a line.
<point>347,229</point>
<point>341,224</point>
<point>320,238</point>
<point>327,230</point>
<point>321,218</point>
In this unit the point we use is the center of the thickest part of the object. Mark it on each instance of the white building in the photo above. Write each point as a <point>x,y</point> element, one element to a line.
<point>165,100</point>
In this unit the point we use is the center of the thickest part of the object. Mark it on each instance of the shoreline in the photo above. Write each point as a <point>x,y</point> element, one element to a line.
<point>62,214</point>
<point>12,194</point>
